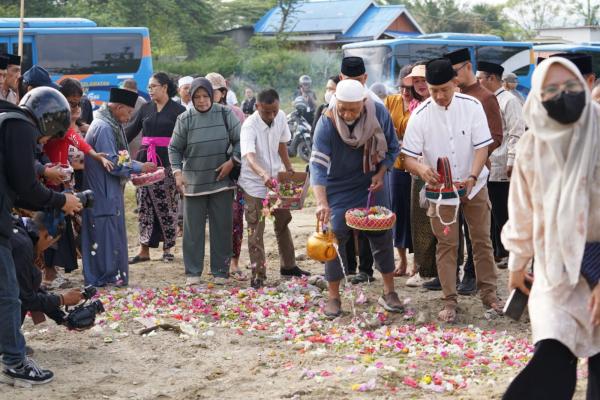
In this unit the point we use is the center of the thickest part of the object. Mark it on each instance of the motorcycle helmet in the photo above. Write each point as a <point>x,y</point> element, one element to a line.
<point>305,80</point>
<point>49,109</point>
<point>300,105</point>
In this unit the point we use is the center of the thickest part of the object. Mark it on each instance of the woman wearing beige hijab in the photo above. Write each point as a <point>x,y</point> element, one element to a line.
<point>554,216</point>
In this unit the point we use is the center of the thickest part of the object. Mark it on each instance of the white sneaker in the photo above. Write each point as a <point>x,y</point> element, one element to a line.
<point>415,281</point>
<point>193,281</point>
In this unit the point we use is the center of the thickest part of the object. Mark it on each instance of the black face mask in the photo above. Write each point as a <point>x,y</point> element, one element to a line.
<point>566,108</point>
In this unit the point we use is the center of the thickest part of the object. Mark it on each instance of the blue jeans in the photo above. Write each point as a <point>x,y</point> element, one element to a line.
<point>12,342</point>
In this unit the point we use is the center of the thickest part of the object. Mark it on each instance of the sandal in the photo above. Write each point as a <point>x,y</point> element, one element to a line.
<point>447,315</point>
<point>138,259</point>
<point>168,257</point>
<point>238,276</point>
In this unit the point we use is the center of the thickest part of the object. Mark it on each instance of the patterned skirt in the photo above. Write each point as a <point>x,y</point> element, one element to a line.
<point>157,216</point>
<point>423,240</point>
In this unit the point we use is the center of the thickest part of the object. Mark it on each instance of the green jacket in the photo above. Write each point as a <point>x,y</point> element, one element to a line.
<point>201,142</point>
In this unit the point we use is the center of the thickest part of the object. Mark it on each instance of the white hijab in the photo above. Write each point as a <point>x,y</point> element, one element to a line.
<point>564,159</point>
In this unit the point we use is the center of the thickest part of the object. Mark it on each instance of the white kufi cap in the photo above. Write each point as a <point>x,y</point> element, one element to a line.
<point>350,90</point>
<point>186,80</point>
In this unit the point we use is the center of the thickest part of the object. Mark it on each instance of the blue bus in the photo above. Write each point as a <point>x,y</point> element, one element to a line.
<point>591,48</point>
<point>384,58</point>
<point>100,58</point>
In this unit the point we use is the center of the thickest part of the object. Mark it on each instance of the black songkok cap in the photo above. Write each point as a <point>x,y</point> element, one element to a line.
<point>353,67</point>
<point>3,62</point>
<point>490,68</point>
<point>439,71</point>
<point>582,61</point>
<point>12,59</point>
<point>123,96</point>
<point>458,56</point>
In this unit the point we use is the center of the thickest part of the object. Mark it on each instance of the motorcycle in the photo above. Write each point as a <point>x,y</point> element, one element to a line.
<point>301,143</point>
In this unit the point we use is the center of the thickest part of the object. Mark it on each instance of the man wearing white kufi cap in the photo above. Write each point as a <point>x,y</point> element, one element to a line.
<point>183,87</point>
<point>354,145</point>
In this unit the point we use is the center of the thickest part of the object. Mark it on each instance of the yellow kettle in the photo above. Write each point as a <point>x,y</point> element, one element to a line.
<point>320,245</point>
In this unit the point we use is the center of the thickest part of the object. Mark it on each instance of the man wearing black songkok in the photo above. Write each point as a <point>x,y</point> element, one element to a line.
<point>104,237</point>
<point>453,125</point>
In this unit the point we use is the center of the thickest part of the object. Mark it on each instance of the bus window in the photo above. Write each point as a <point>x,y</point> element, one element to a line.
<point>90,53</point>
<point>377,62</point>
<point>27,60</point>
<point>513,59</point>
<point>3,48</point>
<point>426,52</point>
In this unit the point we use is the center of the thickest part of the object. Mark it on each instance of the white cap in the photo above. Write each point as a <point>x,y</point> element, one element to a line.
<point>350,90</point>
<point>186,80</point>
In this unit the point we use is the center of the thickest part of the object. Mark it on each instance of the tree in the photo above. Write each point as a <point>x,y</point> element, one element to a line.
<point>586,10</point>
<point>532,15</point>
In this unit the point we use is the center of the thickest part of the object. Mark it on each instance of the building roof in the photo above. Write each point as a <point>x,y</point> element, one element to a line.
<point>346,18</point>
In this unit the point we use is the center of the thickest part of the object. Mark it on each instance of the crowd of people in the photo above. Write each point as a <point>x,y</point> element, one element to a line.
<point>457,154</point>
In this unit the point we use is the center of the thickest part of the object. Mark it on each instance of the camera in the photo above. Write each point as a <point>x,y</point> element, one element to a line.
<point>84,315</point>
<point>86,197</point>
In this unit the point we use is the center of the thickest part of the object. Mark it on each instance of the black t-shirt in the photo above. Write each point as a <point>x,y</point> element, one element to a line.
<point>154,124</point>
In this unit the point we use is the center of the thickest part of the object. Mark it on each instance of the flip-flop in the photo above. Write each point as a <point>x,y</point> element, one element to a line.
<point>447,315</point>
<point>168,257</point>
<point>138,259</point>
<point>238,276</point>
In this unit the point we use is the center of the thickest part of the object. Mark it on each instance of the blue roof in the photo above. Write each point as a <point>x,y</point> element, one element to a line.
<point>375,21</point>
<point>47,23</point>
<point>336,16</point>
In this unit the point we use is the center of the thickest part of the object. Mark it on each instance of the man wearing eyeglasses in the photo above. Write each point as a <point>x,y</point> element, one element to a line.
<point>468,84</point>
<point>502,159</point>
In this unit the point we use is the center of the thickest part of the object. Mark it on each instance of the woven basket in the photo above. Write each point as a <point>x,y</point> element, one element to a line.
<point>367,222</point>
<point>148,178</point>
<point>447,187</point>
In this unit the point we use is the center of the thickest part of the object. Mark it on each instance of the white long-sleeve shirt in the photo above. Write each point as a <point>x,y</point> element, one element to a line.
<point>513,127</point>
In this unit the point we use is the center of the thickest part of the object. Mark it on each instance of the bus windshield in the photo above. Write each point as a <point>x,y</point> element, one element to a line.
<point>377,61</point>
<point>90,54</point>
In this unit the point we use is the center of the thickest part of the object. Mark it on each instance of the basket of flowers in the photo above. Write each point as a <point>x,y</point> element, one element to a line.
<point>148,178</point>
<point>289,191</point>
<point>370,218</point>
<point>447,188</point>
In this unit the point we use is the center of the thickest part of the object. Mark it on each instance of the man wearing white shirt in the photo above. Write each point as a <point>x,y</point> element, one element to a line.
<point>263,142</point>
<point>453,125</point>
<point>502,159</point>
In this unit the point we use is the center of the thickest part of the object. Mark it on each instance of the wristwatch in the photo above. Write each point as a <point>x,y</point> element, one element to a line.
<point>474,178</point>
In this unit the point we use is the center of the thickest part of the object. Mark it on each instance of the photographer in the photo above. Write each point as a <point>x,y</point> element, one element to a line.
<point>43,113</point>
<point>29,240</point>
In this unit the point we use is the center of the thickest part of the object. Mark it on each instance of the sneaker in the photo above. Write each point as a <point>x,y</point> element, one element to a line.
<point>503,263</point>
<point>362,277</point>
<point>295,271</point>
<point>433,284</point>
<point>333,308</point>
<point>26,375</point>
<point>257,283</point>
<point>415,281</point>
<point>193,281</point>
<point>391,302</point>
<point>467,286</point>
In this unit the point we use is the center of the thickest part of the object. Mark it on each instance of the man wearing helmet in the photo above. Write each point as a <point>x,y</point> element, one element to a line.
<point>310,98</point>
<point>43,113</point>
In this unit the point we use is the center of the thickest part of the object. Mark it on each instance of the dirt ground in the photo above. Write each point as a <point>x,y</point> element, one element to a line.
<point>221,356</point>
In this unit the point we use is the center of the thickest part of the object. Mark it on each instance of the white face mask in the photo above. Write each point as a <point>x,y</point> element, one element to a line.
<point>328,96</point>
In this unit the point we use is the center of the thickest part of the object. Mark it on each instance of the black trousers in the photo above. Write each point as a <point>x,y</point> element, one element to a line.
<point>551,374</point>
<point>365,256</point>
<point>499,198</point>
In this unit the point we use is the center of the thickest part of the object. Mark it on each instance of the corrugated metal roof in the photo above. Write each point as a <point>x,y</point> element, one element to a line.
<point>375,21</point>
<point>315,17</point>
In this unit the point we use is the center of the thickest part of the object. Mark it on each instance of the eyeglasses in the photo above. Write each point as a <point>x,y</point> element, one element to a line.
<point>152,87</point>
<point>572,86</point>
<point>74,105</point>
